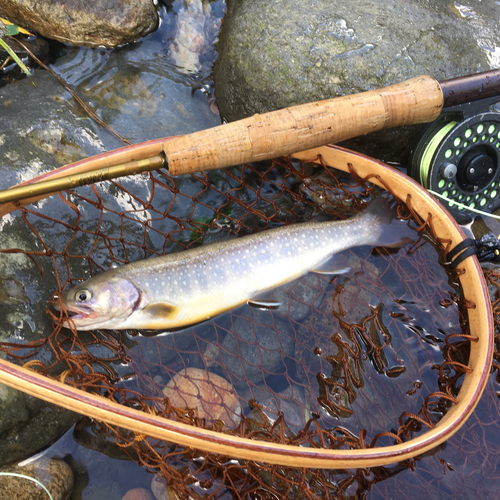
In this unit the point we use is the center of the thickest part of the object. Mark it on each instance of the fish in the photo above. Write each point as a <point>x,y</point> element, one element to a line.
<point>184,288</point>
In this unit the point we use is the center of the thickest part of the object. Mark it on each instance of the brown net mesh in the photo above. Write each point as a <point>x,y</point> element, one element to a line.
<point>369,358</point>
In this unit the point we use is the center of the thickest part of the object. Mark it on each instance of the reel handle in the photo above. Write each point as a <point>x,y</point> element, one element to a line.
<point>285,131</point>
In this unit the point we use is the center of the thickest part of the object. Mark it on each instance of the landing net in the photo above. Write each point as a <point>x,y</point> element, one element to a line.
<point>366,359</point>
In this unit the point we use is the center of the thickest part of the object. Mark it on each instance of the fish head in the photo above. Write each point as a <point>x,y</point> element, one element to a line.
<point>100,302</point>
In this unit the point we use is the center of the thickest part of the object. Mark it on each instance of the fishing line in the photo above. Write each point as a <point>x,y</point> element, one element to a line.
<point>14,474</point>
<point>461,205</point>
<point>429,151</point>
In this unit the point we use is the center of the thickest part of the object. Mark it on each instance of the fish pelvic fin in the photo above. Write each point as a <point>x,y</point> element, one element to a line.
<point>336,264</point>
<point>266,300</point>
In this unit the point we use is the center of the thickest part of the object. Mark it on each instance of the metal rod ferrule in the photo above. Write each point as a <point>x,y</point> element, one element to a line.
<point>80,179</point>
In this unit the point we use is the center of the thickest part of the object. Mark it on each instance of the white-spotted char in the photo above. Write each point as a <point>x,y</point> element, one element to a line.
<point>184,288</point>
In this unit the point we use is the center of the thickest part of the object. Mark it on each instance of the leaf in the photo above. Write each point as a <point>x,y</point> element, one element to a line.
<point>11,29</point>
<point>15,57</point>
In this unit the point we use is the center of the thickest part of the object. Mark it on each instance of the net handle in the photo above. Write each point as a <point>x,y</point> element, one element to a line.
<point>282,132</point>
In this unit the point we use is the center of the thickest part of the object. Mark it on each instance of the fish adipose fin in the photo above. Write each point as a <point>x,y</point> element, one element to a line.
<point>161,310</point>
<point>336,264</point>
<point>266,300</point>
<point>392,232</point>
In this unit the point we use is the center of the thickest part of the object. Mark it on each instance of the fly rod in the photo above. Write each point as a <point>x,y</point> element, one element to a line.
<point>269,135</point>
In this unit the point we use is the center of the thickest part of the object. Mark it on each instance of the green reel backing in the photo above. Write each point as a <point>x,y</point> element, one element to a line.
<point>459,161</point>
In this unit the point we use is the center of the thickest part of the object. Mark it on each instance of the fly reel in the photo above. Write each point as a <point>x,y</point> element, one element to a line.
<point>458,159</point>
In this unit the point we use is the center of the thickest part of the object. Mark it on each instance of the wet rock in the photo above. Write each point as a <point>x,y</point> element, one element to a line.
<point>54,474</point>
<point>41,128</point>
<point>286,52</point>
<point>257,349</point>
<point>22,417</point>
<point>106,22</point>
<point>292,403</point>
<point>159,487</point>
<point>23,318</point>
<point>161,490</point>
<point>299,297</point>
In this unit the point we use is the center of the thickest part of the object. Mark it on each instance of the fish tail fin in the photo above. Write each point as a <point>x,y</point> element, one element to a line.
<point>388,230</point>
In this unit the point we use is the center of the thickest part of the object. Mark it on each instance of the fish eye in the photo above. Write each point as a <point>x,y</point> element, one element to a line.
<point>83,295</point>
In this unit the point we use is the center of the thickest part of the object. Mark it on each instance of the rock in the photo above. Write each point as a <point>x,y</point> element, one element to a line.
<point>138,494</point>
<point>251,351</point>
<point>54,474</point>
<point>285,52</point>
<point>162,491</point>
<point>292,403</point>
<point>195,31</point>
<point>298,297</point>
<point>159,487</point>
<point>212,396</point>
<point>22,417</point>
<point>23,318</point>
<point>41,128</point>
<point>106,22</point>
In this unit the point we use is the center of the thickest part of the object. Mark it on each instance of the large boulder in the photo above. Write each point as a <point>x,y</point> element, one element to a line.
<point>142,97</point>
<point>284,52</point>
<point>105,22</point>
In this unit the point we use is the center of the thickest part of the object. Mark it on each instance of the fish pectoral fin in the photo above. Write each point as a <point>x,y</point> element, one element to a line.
<point>336,264</point>
<point>266,300</point>
<point>161,310</point>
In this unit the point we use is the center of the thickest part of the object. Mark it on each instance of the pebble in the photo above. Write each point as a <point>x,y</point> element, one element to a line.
<point>213,397</point>
<point>138,494</point>
<point>162,491</point>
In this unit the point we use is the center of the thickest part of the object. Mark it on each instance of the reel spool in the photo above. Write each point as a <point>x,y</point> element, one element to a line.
<point>460,161</point>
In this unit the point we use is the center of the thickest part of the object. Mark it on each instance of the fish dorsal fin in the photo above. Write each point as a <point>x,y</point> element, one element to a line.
<point>266,300</point>
<point>161,310</point>
<point>336,264</point>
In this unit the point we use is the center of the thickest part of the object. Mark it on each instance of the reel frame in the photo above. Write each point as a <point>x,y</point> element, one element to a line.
<point>458,158</point>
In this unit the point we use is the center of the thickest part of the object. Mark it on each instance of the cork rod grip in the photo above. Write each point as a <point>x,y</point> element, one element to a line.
<point>285,131</point>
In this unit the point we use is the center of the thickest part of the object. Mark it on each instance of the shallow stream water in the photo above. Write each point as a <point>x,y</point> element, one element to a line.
<point>127,86</point>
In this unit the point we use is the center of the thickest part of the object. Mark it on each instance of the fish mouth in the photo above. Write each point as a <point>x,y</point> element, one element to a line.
<point>76,314</point>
